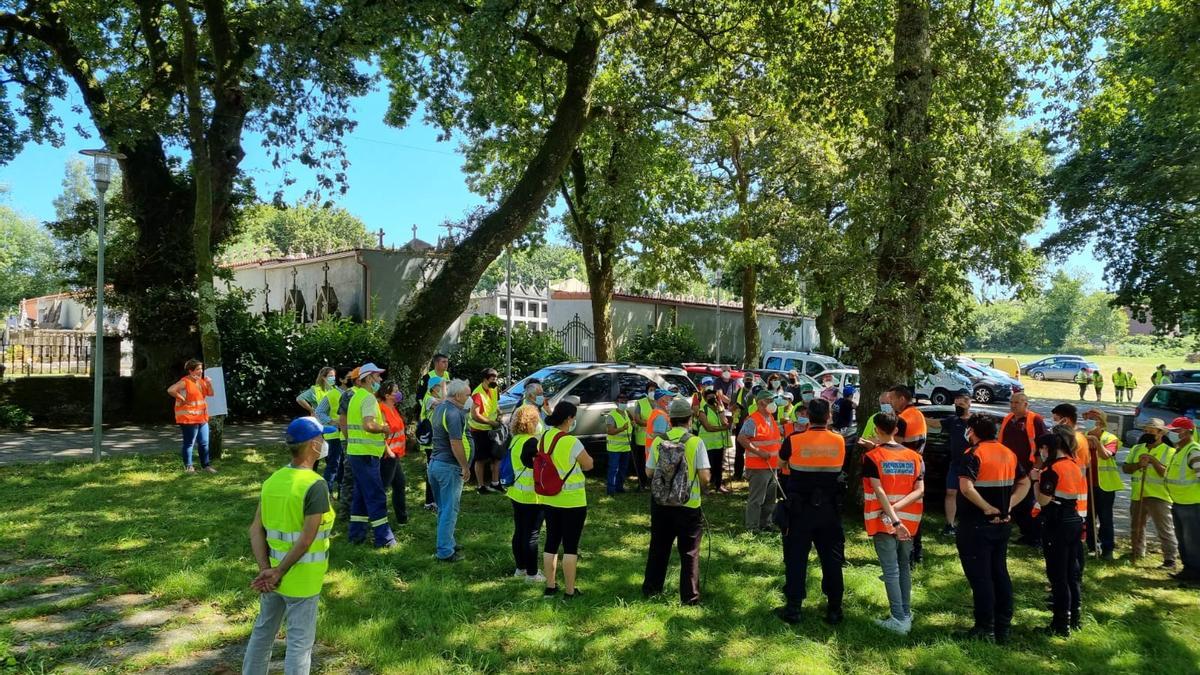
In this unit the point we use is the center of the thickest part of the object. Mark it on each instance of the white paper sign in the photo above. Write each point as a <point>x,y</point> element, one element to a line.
<point>217,405</point>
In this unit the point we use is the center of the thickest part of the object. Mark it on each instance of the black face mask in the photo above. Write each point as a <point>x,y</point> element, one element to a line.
<point>959,411</point>
<point>491,384</point>
<point>711,400</point>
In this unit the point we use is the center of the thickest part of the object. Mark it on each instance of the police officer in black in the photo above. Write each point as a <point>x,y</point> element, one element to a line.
<point>811,516</point>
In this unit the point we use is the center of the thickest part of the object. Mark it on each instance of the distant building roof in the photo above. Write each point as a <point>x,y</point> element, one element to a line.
<point>574,289</point>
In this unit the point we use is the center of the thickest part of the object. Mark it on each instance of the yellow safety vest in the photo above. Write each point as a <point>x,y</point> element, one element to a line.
<point>491,407</point>
<point>358,441</point>
<point>619,442</point>
<point>282,504</point>
<point>1183,484</point>
<point>645,407</point>
<point>689,451</point>
<point>335,398</point>
<point>1156,485</point>
<point>1109,477</point>
<point>521,491</point>
<point>713,440</point>
<point>573,493</point>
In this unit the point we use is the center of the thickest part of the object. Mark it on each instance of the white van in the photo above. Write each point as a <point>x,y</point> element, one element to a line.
<point>940,385</point>
<point>808,363</point>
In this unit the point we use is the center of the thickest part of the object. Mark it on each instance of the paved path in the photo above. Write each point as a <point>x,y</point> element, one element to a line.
<point>46,445</point>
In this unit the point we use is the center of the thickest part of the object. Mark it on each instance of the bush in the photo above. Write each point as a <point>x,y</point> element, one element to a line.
<point>481,345</point>
<point>14,417</point>
<point>270,359</point>
<point>663,347</point>
<point>1154,345</point>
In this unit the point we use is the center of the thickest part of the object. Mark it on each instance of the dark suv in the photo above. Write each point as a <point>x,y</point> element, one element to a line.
<point>1166,402</point>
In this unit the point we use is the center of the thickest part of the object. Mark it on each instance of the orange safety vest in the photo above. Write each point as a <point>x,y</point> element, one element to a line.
<point>815,451</point>
<point>899,469</point>
<point>769,438</point>
<point>1071,485</point>
<point>1083,453</point>
<point>997,467</point>
<point>654,414</point>
<point>1029,431</point>
<point>195,409</point>
<point>397,439</point>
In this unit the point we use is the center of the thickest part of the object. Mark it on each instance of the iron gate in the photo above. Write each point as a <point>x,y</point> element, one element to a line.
<point>577,340</point>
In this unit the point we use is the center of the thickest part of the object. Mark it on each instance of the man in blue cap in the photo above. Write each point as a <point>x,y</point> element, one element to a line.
<point>290,541</point>
<point>365,430</point>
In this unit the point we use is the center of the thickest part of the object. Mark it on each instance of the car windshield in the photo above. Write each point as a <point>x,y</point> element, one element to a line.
<point>972,369</point>
<point>552,379</point>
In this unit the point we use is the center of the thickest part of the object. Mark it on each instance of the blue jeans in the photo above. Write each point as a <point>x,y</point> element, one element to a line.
<point>301,615</point>
<point>1187,529</point>
<point>333,464</point>
<point>446,479</point>
<point>195,434</point>
<point>618,466</point>
<point>369,505</point>
<point>897,575</point>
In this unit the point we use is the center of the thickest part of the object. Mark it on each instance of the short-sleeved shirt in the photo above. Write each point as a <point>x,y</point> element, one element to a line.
<point>344,404</point>
<point>455,420</point>
<point>699,459</point>
<point>661,425</point>
<point>370,408</point>
<point>316,499</point>
<point>967,511</point>
<point>725,387</point>
<point>308,396</point>
<point>322,412</point>
<point>956,436</point>
<point>914,426</point>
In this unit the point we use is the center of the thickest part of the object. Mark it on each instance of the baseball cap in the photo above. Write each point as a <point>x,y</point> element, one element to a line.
<point>680,407</point>
<point>368,368</point>
<point>763,395</point>
<point>706,380</point>
<point>1182,424</point>
<point>353,375</point>
<point>1155,423</point>
<point>434,381</point>
<point>662,393</point>
<point>304,429</point>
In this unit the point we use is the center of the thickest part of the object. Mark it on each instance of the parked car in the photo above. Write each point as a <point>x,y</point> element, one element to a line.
<point>761,375</point>
<point>1166,402</point>
<point>1060,368</point>
<point>940,386</point>
<point>699,371</point>
<point>937,444</point>
<point>808,363</point>
<point>593,387</point>
<point>987,384</point>
<point>842,378</point>
<point>1184,376</point>
<point>1005,364</point>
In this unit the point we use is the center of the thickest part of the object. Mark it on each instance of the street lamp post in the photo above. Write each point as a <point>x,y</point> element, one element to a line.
<point>102,170</point>
<point>718,316</point>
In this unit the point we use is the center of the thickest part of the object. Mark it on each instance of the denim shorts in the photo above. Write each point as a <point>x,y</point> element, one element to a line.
<point>952,472</point>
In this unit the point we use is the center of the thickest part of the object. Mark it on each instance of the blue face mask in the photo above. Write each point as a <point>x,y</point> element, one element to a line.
<point>331,380</point>
<point>374,386</point>
<point>539,400</point>
<point>885,407</point>
<point>801,421</point>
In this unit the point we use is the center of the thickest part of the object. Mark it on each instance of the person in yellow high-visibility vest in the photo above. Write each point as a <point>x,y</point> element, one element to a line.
<point>290,540</point>
<point>483,419</point>
<point>1106,481</point>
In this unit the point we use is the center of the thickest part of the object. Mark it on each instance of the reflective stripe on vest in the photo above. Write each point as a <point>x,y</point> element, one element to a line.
<point>713,440</point>
<point>689,455</point>
<point>619,442</point>
<point>358,441</point>
<point>1155,485</point>
<point>816,451</point>
<point>491,406</point>
<point>899,469</point>
<point>768,438</point>
<point>282,508</point>
<point>335,398</point>
<point>1183,483</point>
<point>522,490</point>
<point>573,493</point>
<point>1108,475</point>
<point>1072,484</point>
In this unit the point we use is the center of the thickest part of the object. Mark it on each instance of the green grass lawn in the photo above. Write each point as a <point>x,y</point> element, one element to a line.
<point>1142,367</point>
<point>141,522</point>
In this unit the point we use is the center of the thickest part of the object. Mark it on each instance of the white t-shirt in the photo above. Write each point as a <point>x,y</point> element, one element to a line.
<point>575,450</point>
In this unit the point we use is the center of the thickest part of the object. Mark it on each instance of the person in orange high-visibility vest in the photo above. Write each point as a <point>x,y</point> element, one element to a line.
<point>391,471</point>
<point>658,422</point>
<point>760,437</point>
<point>1062,493</point>
<point>990,484</point>
<point>1017,432</point>
<point>813,493</point>
<point>191,413</point>
<point>893,487</point>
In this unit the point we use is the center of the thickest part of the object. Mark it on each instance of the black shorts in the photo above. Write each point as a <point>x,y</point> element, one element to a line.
<point>482,447</point>
<point>564,526</point>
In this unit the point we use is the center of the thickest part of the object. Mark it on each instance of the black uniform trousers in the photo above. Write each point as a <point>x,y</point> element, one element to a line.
<point>1022,515</point>
<point>684,527</point>
<point>1064,565</point>
<point>983,551</point>
<point>637,467</point>
<point>809,526</point>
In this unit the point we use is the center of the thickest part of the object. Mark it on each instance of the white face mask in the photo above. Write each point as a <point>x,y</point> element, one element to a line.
<point>725,377</point>
<point>771,407</point>
<point>467,405</point>
<point>574,422</point>
<point>1174,436</point>
<point>885,407</point>
<point>324,449</point>
<point>1088,425</point>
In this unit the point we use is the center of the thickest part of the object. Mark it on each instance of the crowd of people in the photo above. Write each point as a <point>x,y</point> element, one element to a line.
<point>1124,382</point>
<point>1052,481</point>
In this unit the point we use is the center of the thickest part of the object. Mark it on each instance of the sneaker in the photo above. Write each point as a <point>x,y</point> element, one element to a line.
<point>788,615</point>
<point>189,469</point>
<point>388,544</point>
<point>894,625</point>
<point>483,490</point>
<point>455,557</point>
<point>833,616</point>
<point>949,531</point>
<point>518,573</point>
<point>495,487</point>
<point>210,469</point>
<point>1107,556</point>
<point>549,592</point>
<point>538,578</point>
<point>430,507</point>
<point>572,596</point>
<point>981,633</point>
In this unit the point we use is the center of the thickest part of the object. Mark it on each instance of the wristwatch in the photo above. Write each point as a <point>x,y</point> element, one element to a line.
<point>887,520</point>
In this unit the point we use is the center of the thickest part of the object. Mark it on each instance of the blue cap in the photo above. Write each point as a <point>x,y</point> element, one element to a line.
<point>303,429</point>
<point>434,381</point>
<point>706,380</point>
<point>662,393</point>
<point>848,390</point>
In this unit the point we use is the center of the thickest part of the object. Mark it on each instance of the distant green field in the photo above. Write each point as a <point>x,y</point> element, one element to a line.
<point>1142,367</point>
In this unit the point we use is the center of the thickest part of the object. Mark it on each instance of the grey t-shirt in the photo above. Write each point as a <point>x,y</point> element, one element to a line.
<point>316,500</point>
<point>456,419</point>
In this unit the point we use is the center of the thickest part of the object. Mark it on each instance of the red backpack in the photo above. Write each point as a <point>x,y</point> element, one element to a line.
<point>546,481</point>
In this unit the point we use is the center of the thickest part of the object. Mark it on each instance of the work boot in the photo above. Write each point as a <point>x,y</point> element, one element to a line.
<point>978,632</point>
<point>1001,635</point>
<point>833,615</point>
<point>788,614</point>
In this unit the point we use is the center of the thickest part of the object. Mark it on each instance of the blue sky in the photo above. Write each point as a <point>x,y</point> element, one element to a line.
<point>397,177</point>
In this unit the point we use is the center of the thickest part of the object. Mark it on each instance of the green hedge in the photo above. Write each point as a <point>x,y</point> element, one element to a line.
<point>662,347</point>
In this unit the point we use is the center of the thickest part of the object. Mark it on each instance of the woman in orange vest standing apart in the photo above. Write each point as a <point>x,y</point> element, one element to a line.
<point>1062,496</point>
<point>893,486</point>
<point>191,413</point>
<point>391,472</point>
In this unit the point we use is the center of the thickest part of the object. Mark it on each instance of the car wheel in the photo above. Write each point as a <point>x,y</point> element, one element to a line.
<point>940,397</point>
<point>984,395</point>
<point>1039,375</point>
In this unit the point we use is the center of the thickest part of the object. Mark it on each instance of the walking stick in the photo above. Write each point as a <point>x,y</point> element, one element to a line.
<point>1093,513</point>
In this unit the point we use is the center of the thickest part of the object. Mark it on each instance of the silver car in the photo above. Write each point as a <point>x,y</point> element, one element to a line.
<point>1059,368</point>
<point>1166,402</point>
<point>594,387</point>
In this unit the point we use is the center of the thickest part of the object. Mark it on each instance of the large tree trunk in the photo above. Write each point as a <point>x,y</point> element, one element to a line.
<point>598,247</point>
<point>422,322</point>
<point>892,343</point>
<point>825,329</point>
<point>601,283</point>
